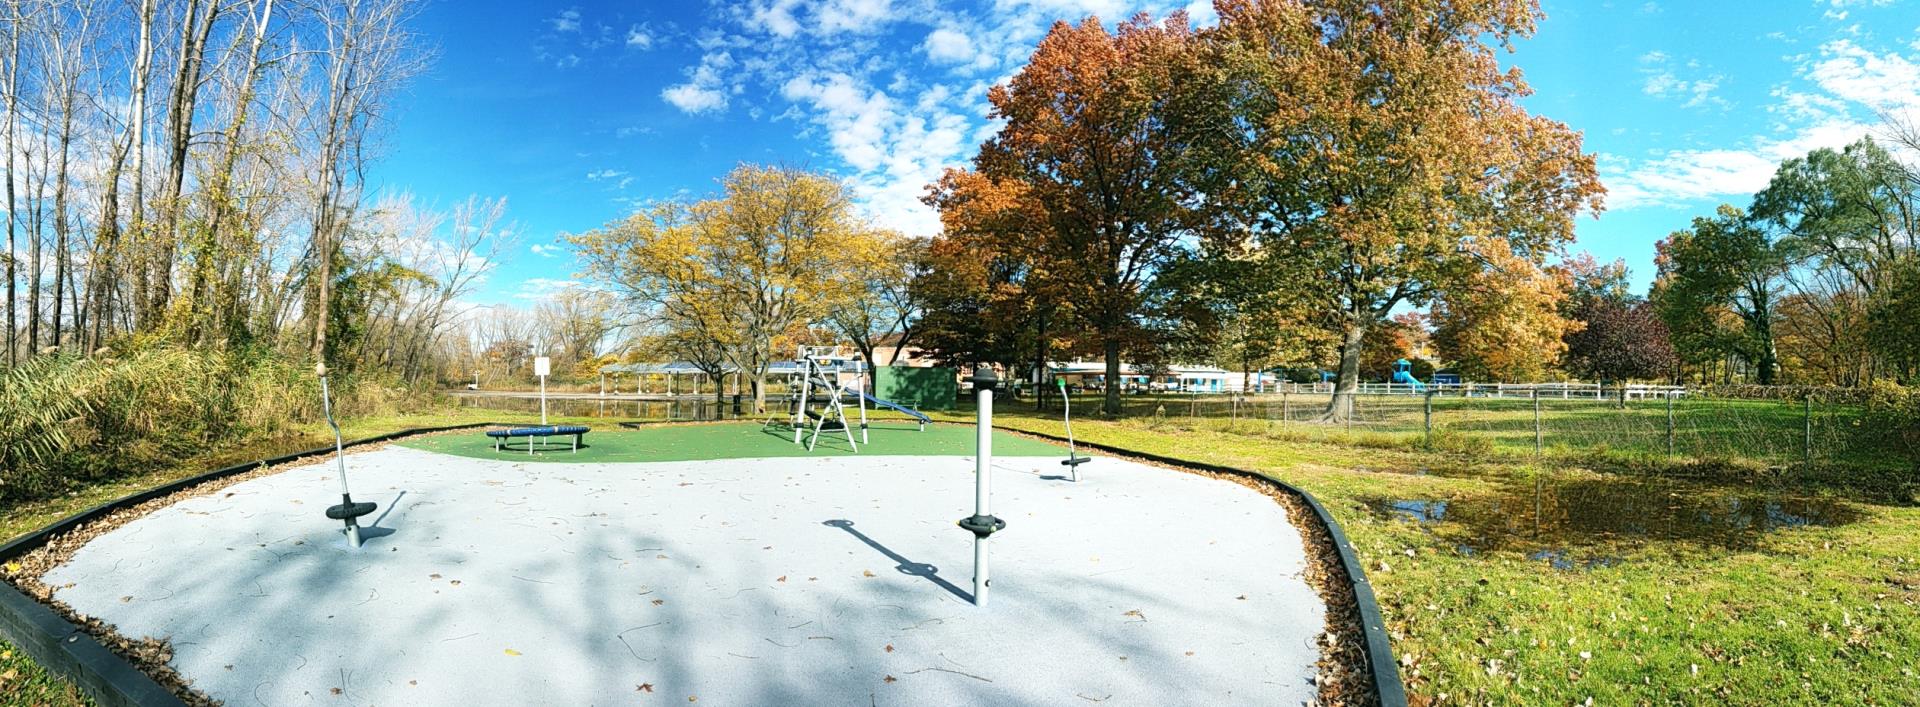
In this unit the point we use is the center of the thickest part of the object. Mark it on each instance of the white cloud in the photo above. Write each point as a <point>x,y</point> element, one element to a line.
<point>948,46</point>
<point>1662,82</point>
<point>542,288</point>
<point>881,120</point>
<point>638,37</point>
<point>1676,177</point>
<point>598,175</point>
<point>567,21</point>
<point>1201,14</point>
<point>545,251</point>
<point>705,88</point>
<point>774,17</point>
<point>895,149</point>
<point>1879,81</point>
<point>853,15</point>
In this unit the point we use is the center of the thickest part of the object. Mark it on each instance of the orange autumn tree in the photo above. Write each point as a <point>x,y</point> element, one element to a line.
<point>1377,148</point>
<point>1083,144</point>
<point>984,299</point>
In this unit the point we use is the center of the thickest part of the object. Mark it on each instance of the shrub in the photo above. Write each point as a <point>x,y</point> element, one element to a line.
<point>1891,420</point>
<point>65,419</point>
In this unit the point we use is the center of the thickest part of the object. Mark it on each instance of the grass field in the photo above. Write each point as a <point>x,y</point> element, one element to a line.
<point>1759,432</point>
<point>668,443</point>
<point>1505,579</point>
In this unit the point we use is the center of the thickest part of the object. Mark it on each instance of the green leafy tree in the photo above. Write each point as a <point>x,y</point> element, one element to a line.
<point>1723,265</point>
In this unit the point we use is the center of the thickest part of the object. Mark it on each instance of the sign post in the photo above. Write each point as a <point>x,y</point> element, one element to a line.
<point>542,367</point>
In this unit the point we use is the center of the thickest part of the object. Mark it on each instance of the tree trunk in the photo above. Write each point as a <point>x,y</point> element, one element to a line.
<point>180,108</point>
<point>1112,403</point>
<point>60,218</point>
<point>760,391</point>
<point>1347,383</point>
<point>12,130</point>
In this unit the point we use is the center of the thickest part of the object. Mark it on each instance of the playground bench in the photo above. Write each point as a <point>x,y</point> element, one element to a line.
<point>500,437</point>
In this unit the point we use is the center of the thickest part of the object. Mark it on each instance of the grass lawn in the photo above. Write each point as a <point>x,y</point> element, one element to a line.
<point>1502,580</point>
<point>670,443</point>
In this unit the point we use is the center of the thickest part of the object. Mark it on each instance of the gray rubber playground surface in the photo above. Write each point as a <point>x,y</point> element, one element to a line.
<point>735,582</point>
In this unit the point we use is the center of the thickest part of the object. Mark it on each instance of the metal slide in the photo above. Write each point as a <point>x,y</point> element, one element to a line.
<point>915,414</point>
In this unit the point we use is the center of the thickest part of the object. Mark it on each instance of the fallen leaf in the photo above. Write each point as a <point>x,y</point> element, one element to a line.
<point>658,602</point>
<point>335,691</point>
<point>782,578</point>
<point>889,648</point>
<point>643,687</point>
<point>889,679</point>
<point>511,651</point>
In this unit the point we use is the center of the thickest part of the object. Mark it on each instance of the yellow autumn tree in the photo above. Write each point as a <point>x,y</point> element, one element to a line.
<point>740,268</point>
<point>1504,324</point>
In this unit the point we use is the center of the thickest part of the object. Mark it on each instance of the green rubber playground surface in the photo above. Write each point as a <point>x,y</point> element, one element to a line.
<point>739,440</point>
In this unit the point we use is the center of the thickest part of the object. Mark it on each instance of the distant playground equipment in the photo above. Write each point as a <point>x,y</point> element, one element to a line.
<point>1403,373</point>
<point>542,367</point>
<point>347,511</point>
<point>820,389</point>
<point>1073,460</point>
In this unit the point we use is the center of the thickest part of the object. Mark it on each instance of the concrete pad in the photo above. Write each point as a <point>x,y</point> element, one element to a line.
<point>736,582</point>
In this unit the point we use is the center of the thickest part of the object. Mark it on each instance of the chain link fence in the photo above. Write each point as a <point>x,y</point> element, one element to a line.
<point>1782,430</point>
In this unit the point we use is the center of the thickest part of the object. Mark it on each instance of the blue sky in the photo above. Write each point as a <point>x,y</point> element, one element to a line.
<point>578,112</point>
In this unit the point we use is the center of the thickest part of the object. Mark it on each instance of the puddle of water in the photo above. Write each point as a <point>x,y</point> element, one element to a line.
<point>1554,516</point>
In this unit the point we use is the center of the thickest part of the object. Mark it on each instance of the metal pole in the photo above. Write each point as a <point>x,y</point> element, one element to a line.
<point>347,511</point>
<point>543,401</point>
<point>1536,422</point>
<point>1429,419</point>
<point>982,523</point>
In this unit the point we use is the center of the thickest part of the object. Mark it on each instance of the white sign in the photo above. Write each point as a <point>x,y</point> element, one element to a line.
<point>542,366</point>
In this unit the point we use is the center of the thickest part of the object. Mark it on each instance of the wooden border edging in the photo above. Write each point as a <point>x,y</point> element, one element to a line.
<point>66,650</point>
<point>1380,663</point>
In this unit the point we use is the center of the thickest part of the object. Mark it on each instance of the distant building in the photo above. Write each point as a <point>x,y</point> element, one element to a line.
<point>911,357</point>
<point>1177,378</point>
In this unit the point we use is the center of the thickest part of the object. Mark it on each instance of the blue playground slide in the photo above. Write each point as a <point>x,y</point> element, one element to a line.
<point>915,414</point>
<point>1403,373</point>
